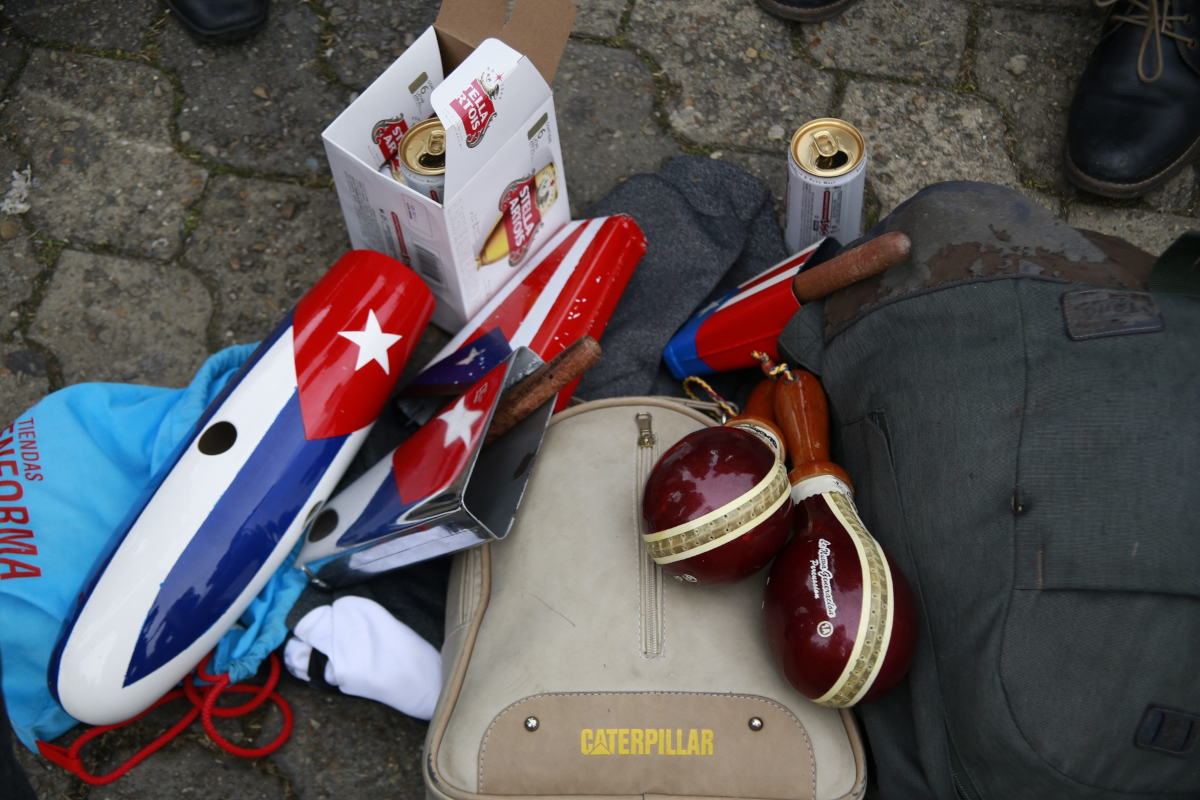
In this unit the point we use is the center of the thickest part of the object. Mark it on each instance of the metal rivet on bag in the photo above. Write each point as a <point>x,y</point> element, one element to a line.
<point>756,724</point>
<point>531,724</point>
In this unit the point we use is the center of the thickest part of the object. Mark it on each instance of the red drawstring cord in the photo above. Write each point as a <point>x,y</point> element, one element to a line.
<point>203,700</point>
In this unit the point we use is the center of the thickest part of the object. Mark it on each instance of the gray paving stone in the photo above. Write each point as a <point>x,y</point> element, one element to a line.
<point>49,782</point>
<point>348,747</point>
<point>734,70</point>
<point>598,18</point>
<point>188,769</point>
<point>1073,5</point>
<point>114,319</point>
<point>18,268</point>
<point>265,244</point>
<point>917,136</point>
<point>22,383</point>
<point>1175,194</point>
<point>604,100</point>
<point>1030,64</point>
<point>103,24</point>
<point>1150,230</point>
<point>370,34</point>
<point>96,130</point>
<point>897,38</point>
<point>11,49</point>
<point>224,112</point>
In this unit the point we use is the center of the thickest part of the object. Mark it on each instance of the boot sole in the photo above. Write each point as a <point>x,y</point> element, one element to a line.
<point>1125,191</point>
<point>220,35</point>
<point>802,14</point>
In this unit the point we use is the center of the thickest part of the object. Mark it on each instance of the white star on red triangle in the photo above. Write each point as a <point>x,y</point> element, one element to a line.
<point>459,421</point>
<point>372,343</point>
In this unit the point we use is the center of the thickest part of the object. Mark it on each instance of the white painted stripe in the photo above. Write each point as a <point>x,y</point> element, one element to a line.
<point>349,504</point>
<point>794,261</point>
<point>468,330</point>
<point>762,287</point>
<point>549,296</point>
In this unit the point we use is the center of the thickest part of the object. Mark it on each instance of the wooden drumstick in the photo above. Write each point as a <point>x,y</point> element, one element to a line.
<point>540,385</point>
<point>803,415</point>
<point>867,259</point>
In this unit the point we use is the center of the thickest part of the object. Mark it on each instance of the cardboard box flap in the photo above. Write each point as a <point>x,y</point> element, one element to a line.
<point>487,101</point>
<point>536,28</point>
<point>402,96</point>
<point>539,29</point>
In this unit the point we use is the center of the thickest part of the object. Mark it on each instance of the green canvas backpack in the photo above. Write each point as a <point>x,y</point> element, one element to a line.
<point>1018,411</point>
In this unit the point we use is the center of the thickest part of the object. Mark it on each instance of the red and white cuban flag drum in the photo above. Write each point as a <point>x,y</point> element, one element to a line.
<point>420,481</point>
<point>567,290</point>
<point>231,504</point>
<point>723,334</point>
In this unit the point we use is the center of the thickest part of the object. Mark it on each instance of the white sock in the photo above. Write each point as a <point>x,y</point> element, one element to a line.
<point>371,654</point>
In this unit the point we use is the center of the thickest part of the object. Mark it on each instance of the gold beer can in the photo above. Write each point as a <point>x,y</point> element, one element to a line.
<point>421,159</point>
<point>827,171</point>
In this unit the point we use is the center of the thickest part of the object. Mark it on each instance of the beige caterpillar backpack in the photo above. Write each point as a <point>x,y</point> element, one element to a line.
<point>573,668</point>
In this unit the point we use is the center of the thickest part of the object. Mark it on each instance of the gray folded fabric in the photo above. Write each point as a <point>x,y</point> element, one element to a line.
<point>709,226</point>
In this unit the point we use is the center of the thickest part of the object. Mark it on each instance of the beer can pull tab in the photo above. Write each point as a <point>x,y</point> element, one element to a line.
<point>437,143</point>
<point>826,143</point>
<point>828,151</point>
<point>434,157</point>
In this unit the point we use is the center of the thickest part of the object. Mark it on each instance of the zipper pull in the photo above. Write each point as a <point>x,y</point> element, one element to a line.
<point>646,437</point>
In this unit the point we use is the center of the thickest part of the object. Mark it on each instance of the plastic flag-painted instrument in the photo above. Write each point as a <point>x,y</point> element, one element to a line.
<point>441,490</point>
<point>724,333</point>
<point>232,502</point>
<point>569,289</point>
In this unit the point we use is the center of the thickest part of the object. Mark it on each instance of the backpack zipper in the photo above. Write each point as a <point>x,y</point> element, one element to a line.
<point>650,577</point>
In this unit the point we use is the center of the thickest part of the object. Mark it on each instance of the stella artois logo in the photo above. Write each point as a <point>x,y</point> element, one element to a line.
<point>386,134</point>
<point>475,106</point>
<point>522,217</point>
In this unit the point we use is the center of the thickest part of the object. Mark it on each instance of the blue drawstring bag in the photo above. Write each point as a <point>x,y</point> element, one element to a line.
<point>70,469</point>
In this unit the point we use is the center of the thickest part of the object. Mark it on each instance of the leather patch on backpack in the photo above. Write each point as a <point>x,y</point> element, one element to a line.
<point>647,743</point>
<point>1095,313</point>
<point>1168,730</point>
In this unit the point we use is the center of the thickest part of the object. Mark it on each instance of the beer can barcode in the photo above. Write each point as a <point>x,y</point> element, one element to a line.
<point>429,266</point>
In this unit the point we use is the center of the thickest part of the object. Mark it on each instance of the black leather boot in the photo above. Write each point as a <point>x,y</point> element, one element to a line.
<point>1135,119</point>
<point>220,20</point>
<point>805,10</point>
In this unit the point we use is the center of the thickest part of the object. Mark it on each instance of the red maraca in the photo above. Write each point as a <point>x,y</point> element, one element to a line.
<point>718,505</point>
<point>839,615</point>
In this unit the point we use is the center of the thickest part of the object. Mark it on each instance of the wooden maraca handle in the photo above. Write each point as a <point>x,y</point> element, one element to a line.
<point>758,418</point>
<point>803,415</point>
<point>761,403</point>
<point>540,385</point>
<point>852,266</point>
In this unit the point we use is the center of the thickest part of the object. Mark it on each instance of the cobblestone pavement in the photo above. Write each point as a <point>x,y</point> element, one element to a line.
<point>181,201</point>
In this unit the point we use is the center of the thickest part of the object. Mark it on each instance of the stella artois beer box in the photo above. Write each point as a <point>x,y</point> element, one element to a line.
<point>504,195</point>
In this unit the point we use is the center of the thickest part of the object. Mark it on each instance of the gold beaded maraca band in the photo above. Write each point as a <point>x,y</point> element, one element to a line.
<point>720,525</point>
